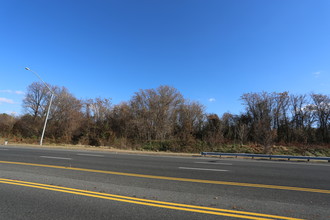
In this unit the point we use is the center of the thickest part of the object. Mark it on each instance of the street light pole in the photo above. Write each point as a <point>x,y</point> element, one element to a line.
<point>50,103</point>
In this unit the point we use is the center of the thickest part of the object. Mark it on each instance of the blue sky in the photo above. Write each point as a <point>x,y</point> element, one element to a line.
<point>211,51</point>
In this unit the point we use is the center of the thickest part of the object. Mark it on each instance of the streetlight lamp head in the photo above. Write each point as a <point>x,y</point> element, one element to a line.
<point>27,68</point>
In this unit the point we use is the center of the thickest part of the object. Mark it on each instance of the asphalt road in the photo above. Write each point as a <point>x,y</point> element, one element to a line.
<point>40,183</point>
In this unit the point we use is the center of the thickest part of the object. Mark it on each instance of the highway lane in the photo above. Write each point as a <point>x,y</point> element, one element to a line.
<point>308,205</point>
<point>266,172</point>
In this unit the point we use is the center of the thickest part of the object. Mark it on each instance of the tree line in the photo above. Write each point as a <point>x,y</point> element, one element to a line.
<point>162,119</point>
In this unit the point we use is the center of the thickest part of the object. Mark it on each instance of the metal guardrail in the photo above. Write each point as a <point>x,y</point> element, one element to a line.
<point>308,158</point>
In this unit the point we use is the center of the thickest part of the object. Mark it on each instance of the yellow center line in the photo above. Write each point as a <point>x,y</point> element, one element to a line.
<point>154,203</point>
<point>146,200</point>
<point>292,188</point>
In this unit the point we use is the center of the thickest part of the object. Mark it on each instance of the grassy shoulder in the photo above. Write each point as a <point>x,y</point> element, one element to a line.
<point>176,148</point>
<point>317,151</point>
<point>94,148</point>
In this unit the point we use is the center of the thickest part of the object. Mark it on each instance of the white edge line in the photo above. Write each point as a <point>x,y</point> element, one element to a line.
<point>59,158</point>
<point>193,168</point>
<point>91,155</point>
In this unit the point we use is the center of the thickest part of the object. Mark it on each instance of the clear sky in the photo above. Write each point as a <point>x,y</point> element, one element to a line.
<point>211,51</point>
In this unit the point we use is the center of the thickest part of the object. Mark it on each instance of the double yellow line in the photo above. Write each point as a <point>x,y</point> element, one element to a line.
<point>301,189</point>
<point>147,202</point>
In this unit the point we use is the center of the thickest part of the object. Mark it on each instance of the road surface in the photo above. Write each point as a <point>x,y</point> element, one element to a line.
<point>37,183</point>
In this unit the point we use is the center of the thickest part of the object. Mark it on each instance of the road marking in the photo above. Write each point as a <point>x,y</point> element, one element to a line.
<point>58,158</point>
<point>147,202</point>
<point>91,155</point>
<point>292,188</point>
<point>194,168</point>
<point>215,163</point>
<point>3,149</point>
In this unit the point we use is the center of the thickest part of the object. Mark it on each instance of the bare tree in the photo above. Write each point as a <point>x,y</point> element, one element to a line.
<point>214,130</point>
<point>280,118</point>
<point>6,124</point>
<point>121,121</point>
<point>163,119</point>
<point>302,118</point>
<point>189,122</point>
<point>242,132</point>
<point>154,111</point>
<point>260,107</point>
<point>98,121</point>
<point>65,115</point>
<point>280,108</point>
<point>322,114</point>
<point>36,99</point>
